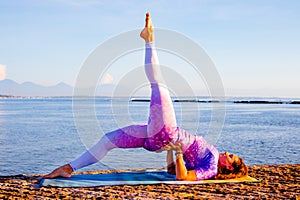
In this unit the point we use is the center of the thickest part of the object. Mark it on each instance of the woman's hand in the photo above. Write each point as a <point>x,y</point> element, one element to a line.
<point>176,147</point>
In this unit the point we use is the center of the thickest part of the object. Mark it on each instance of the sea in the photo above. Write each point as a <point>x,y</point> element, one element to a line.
<point>38,134</point>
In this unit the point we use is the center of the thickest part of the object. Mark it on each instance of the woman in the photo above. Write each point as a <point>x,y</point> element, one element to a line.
<point>195,158</point>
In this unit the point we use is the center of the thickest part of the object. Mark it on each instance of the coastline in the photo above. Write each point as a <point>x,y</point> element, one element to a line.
<point>276,182</point>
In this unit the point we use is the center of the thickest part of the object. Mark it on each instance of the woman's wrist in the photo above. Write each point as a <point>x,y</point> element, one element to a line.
<point>170,151</point>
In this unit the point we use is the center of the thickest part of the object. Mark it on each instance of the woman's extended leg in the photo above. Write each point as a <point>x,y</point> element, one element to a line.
<point>162,115</point>
<point>128,137</point>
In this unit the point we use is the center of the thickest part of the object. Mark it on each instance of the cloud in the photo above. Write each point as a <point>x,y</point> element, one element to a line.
<point>107,79</point>
<point>2,72</point>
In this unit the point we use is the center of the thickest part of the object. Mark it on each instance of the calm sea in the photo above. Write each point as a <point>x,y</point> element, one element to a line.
<point>39,134</point>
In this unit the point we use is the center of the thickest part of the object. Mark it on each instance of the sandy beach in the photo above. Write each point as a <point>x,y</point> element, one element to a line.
<point>276,182</point>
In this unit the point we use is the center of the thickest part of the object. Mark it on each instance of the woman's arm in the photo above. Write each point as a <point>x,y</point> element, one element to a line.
<point>181,172</point>
<point>170,162</point>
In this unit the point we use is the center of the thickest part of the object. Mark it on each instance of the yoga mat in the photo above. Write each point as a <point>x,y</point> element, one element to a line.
<point>129,178</point>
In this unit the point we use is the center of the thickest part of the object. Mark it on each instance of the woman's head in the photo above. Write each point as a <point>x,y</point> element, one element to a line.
<point>231,166</point>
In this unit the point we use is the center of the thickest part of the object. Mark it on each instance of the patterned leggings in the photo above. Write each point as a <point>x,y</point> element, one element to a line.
<point>161,127</point>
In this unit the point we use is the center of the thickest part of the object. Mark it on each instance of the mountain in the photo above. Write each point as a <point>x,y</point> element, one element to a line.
<point>11,88</point>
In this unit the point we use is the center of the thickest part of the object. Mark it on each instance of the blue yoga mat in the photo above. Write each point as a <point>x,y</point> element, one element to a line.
<point>127,178</point>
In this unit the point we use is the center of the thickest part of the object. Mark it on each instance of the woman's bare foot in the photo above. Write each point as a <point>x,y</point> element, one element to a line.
<point>63,171</point>
<point>147,32</point>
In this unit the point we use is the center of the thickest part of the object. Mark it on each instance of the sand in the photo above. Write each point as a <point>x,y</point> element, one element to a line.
<point>276,182</point>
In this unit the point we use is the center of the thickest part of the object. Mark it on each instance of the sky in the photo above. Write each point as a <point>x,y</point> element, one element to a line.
<point>255,45</point>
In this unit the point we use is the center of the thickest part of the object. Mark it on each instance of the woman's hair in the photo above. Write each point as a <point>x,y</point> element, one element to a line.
<point>239,169</point>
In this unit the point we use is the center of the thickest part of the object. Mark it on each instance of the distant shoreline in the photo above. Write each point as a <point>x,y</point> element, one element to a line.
<point>217,101</point>
<point>243,100</point>
<point>267,102</point>
<point>7,96</point>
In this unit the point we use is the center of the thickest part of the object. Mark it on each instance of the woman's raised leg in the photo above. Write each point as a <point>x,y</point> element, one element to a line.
<point>162,113</point>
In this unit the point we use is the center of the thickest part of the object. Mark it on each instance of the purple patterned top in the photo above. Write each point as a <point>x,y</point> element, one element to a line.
<point>198,154</point>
